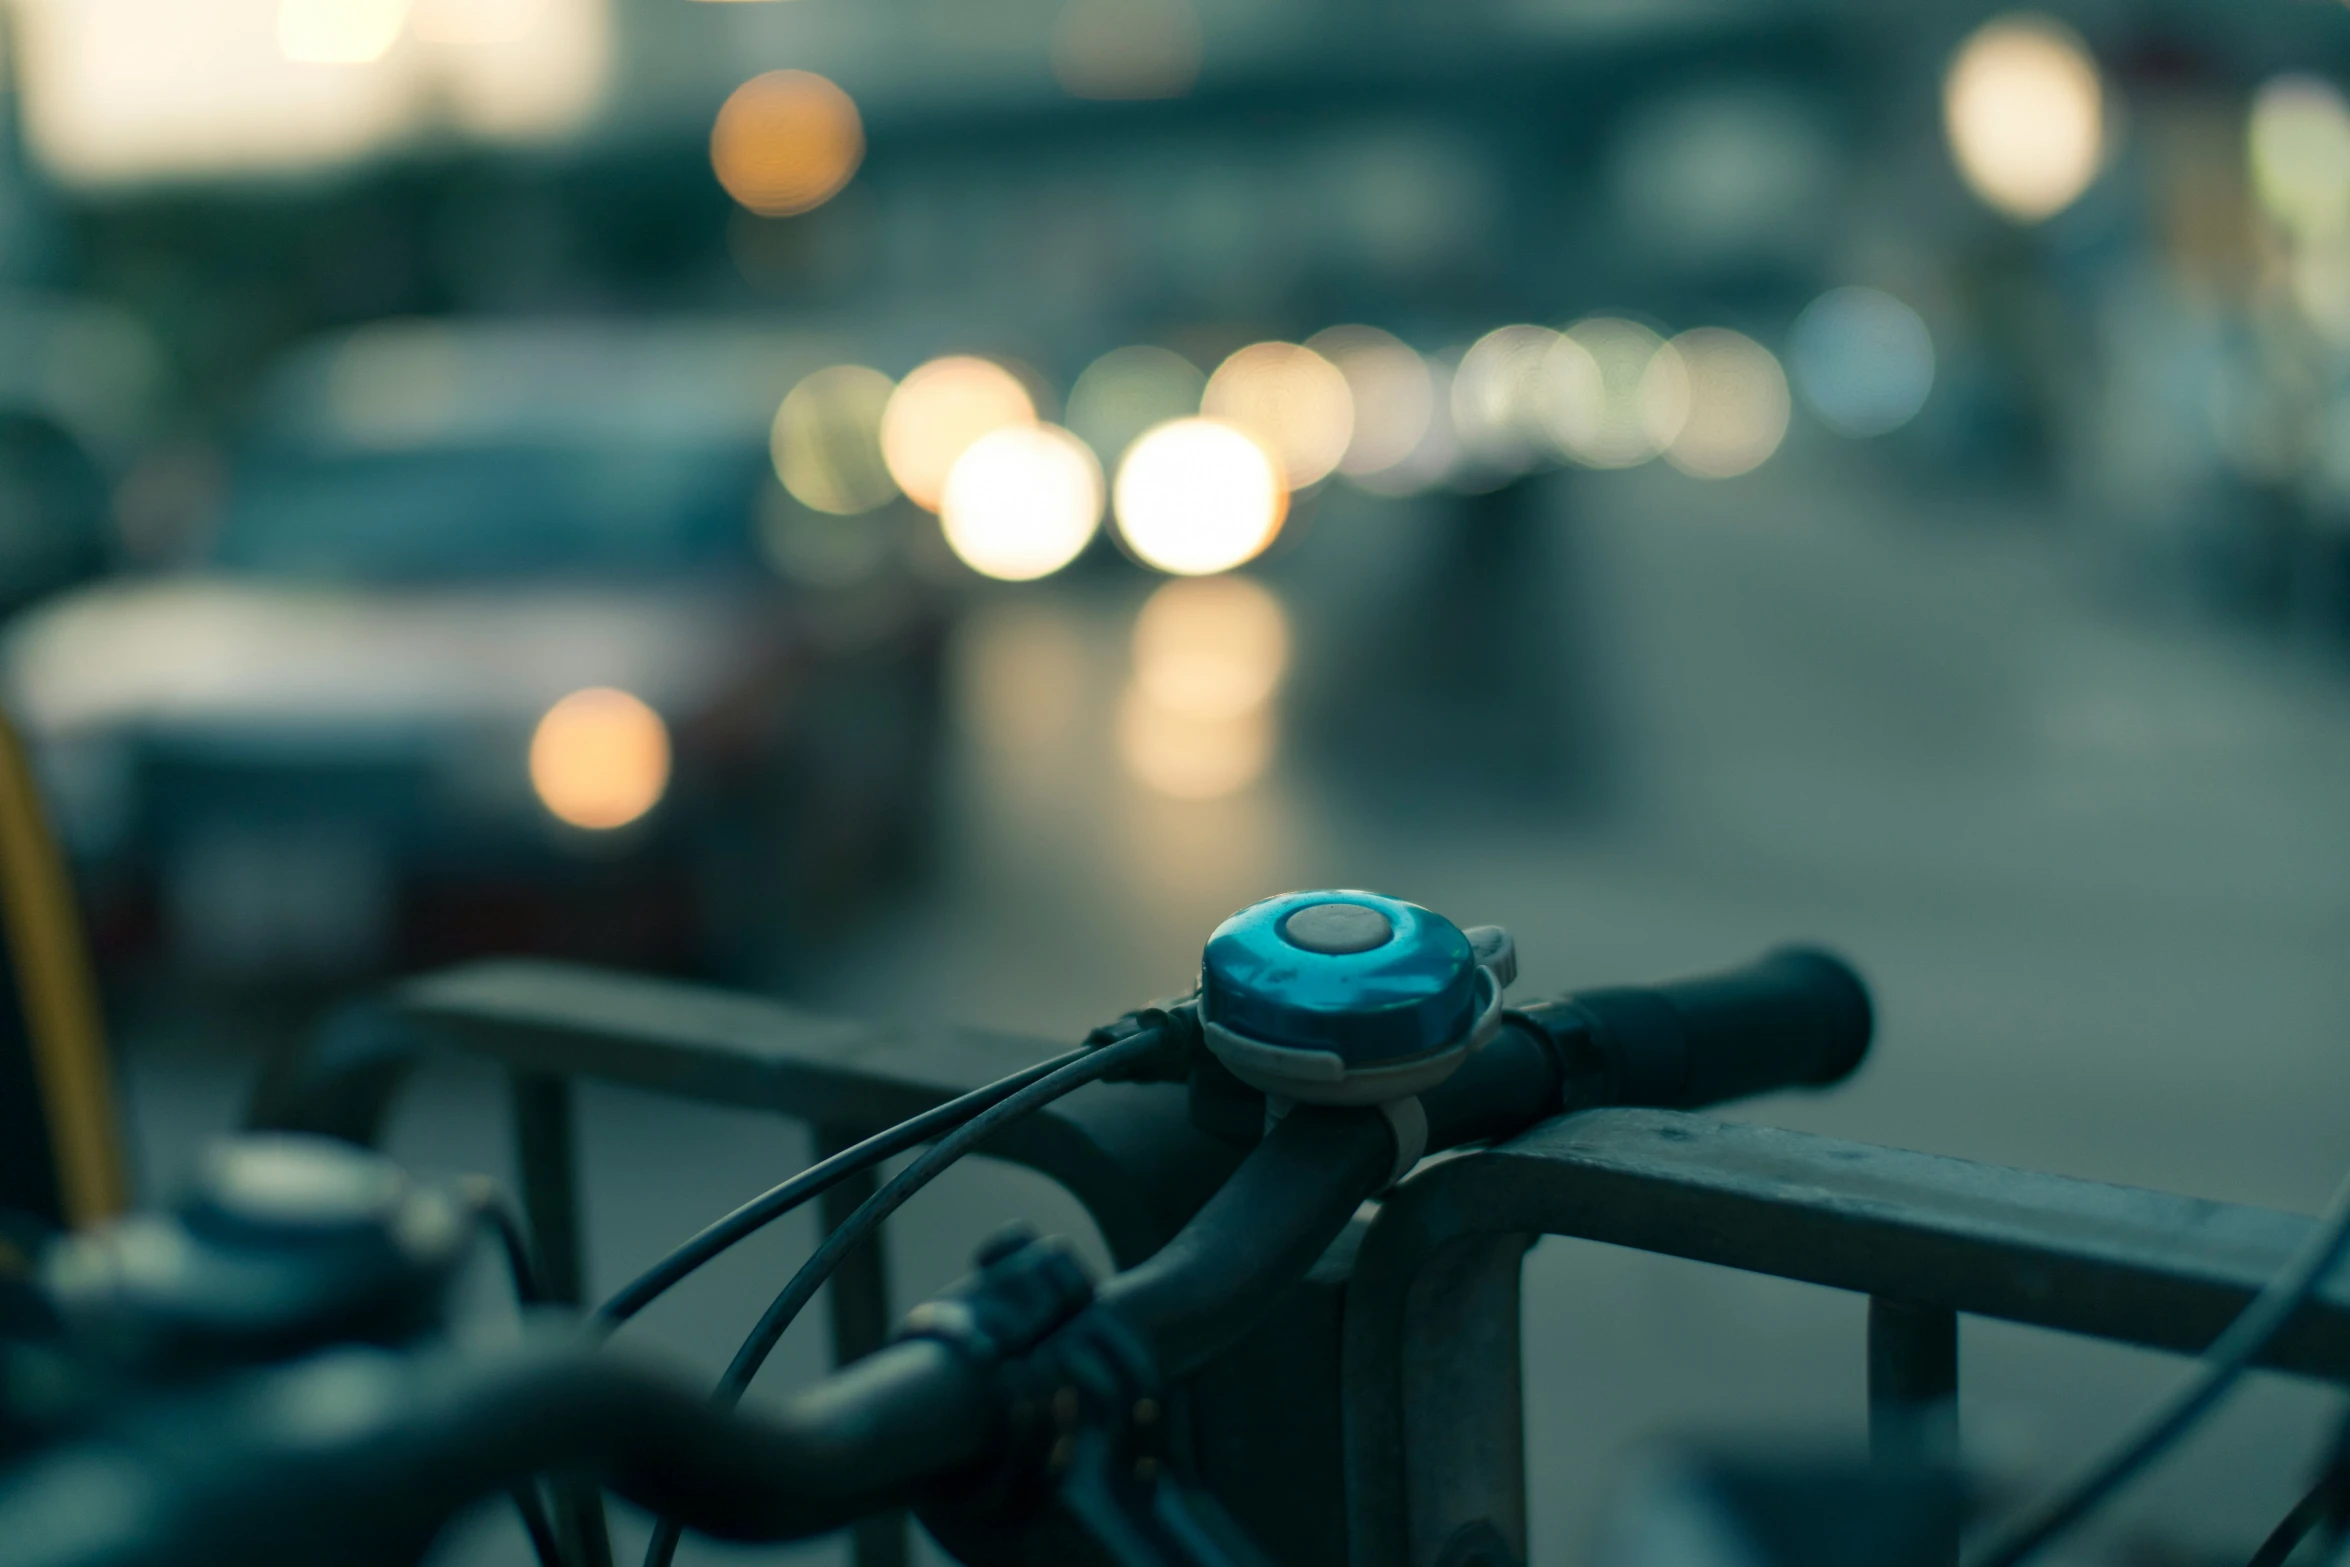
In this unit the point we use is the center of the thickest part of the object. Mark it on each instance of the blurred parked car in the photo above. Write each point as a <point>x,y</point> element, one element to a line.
<point>483,655</point>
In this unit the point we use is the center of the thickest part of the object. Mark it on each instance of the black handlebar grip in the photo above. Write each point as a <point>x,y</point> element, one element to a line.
<point>1798,1017</point>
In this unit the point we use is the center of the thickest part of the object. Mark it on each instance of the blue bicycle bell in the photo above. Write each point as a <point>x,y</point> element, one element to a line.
<point>1348,997</point>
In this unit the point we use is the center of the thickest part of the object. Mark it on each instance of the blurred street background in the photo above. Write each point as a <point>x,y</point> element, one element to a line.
<point>921,507</point>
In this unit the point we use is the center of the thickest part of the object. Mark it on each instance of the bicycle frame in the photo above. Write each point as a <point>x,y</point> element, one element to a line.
<point>1375,1418</point>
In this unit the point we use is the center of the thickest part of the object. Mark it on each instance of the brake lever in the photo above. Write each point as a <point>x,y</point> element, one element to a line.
<point>1088,1476</point>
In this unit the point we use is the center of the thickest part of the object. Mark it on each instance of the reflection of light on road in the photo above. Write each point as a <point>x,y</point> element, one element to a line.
<point>1188,756</point>
<point>599,758</point>
<point>1290,398</point>
<point>786,141</point>
<point>1020,503</point>
<point>2024,112</point>
<point>1394,395</point>
<point>1196,722</point>
<point>1051,722</point>
<point>2299,146</point>
<point>938,410</point>
<point>1610,404</point>
<point>1128,390</point>
<point>827,440</point>
<point>1127,48</point>
<point>339,32</point>
<point>1862,359</point>
<point>1210,647</point>
<point>1734,400</point>
<point>1198,495</point>
<point>1498,397</point>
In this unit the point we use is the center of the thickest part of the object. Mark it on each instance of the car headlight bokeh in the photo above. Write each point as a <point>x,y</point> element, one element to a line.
<point>1196,496</point>
<point>1021,503</point>
<point>599,759</point>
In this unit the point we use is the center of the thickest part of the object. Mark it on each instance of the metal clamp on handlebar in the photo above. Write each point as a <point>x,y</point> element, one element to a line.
<point>1351,998</point>
<point>1085,1474</point>
<point>1025,1289</point>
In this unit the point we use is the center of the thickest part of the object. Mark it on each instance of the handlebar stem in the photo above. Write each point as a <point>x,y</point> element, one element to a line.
<point>1260,1233</point>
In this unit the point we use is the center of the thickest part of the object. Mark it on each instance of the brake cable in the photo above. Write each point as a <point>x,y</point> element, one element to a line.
<point>1064,1075</point>
<point>812,1182</point>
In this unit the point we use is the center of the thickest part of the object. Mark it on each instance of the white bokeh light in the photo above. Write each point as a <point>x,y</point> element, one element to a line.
<point>2024,112</point>
<point>118,91</point>
<point>1196,496</point>
<point>1498,399</point>
<point>935,414</point>
<point>1290,398</point>
<point>2298,145</point>
<point>1021,503</point>
<point>1735,403</point>
<point>1394,395</point>
<point>1608,402</point>
<point>339,32</point>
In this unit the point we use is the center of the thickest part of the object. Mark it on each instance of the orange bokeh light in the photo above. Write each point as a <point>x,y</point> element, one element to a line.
<point>786,142</point>
<point>600,759</point>
<point>1188,756</point>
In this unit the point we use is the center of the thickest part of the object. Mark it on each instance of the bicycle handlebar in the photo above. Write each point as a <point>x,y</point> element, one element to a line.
<point>1797,1017</point>
<point>895,1426</point>
<point>367,1445</point>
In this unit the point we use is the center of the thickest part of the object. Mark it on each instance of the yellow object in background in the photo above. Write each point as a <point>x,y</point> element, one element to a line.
<point>73,1102</point>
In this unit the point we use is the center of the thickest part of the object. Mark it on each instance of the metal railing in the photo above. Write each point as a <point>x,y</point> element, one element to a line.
<point>1433,1439</point>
